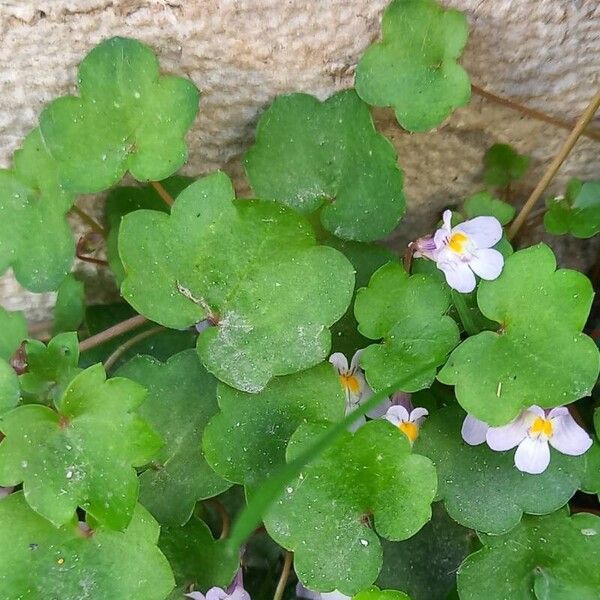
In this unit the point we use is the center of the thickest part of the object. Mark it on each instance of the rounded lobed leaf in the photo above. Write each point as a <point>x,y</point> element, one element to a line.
<point>324,516</point>
<point>409,313</point>
<point>539,355</point>
<point>251,268</point>
<point>39,560</point>
<point>483,489</point>
<point>310,155</point>
<point>35,238</point>
<point>246,441</point>
<point>375,593</point>
<point>13,330</point>
<point>181,400</point>
<point>84,454</point>
<point>503,165</point>
<point>483,204</point>
<point>69,310</point>
<point>127,118</point>
<point>413,68</point>
<point>543,557</point>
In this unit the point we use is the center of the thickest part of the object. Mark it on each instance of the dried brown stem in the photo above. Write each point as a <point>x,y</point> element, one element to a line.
<point>112,332</point>
<point>114,357</point>
<point>558,160</point>
<point>224,515</point>
<point>531,112</point>
<point>160,190</point>
<point>92,223</point>
<point>285,573</point>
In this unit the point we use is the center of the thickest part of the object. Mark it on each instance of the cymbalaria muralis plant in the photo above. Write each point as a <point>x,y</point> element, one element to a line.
<point>281,406</point>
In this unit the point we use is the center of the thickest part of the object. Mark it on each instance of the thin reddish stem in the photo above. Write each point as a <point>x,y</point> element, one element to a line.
<point>112,332</point>
<point>160,190</point>
<point>92,223</point>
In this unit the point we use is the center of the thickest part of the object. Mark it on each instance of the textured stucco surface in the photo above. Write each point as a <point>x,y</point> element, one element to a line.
<point>242,53</point>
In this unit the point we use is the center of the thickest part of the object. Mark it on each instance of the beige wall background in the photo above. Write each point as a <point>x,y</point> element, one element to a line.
<point>242,53</point>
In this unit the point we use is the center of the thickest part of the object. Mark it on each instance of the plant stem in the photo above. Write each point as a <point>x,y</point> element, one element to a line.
<point>530,112</point>
<point>126,345</point>
<point>112,332</point>
<point>225,518</point>
<point>560,157</point>
<point>92,223</point>
<point>285,573</point>
<point>160,190</point>
<point>464,312</point>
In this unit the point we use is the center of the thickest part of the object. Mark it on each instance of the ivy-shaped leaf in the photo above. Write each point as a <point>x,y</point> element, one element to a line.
<point>69,310</point>
<point>539,355</point>
<point>577,213</point>
<point>252,268</point>
<point>591,479</point>
<point>413,68</point>
<point>503,165</point>
<point>127,118</point>
<point>198,561</point>
<point>483,204</point>
<point>409,313</point>
<point>551,557</point>
<point>70,563</point>
<point>483,489</point>
<point>310,154</point>
<point>324,516</point>
<point>375,593</point>
<point>181,399</point>
<point>123,200</point>
<point>246,441</point>
<point>9,387</point>
<point>83,455</point>
<point>425,565</point>
<point>13,330</point>
<point>50,368</point>
<point>35,238</point>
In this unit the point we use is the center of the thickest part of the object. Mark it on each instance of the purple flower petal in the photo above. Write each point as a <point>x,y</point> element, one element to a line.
<point>339,361</point>
<point>458,275</point>
<point>567,437</point>
<point>474,431</point>
<point>511,435</point>
<point>484,232</point>
<point>487,263</point>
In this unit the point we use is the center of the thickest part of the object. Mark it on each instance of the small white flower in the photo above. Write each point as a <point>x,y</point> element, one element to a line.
<point>464,251</point>
<point>302,592</point>
<point>235,591</point>
<point>355,386</point>
<point>407,422</point>
<point>533,431</point>
<point>474,431</point>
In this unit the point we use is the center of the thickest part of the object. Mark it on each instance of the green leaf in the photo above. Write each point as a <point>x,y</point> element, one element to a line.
<point>198,560</point>
<point>543,557</point>
<point>127,118</point>
<point>503,165</point>
<point>483,489</point>
<point>13,330</point>
<point>250,266</point>
<point>246,441</point>
<point>50,368</point>
<point>409,313</point>
<point>375,593</point>
<point>414,69</point>
<point>577,213</point>
<point>591,479</point>
<point>35,238</point>
<point>124,200</point>
<point>160,345</point>
<point>69,311</point>
<point>323,516</point>
<point>539,355</point>
<point>181,400</point>
<point>425,565</point>
<point>41,561</point>
<point>9,387</point>
<point>81,455</point>
<point>310,154</point>
<point>484,204</point>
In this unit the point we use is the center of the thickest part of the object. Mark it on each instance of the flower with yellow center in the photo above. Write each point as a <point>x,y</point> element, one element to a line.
<point>355,386</point>
<point>463,251</point>
<point>408,423</point>
<point>533,432</point>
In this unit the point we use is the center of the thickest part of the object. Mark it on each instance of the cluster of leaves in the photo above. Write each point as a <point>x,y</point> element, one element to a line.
<point>224,404</point>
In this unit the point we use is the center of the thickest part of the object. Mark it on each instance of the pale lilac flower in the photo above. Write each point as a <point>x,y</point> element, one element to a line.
<point>235,591</point>
<point>533,431</point>
<point>5,491</point>
<point>356,387</point>
<point>302,592</point>
<point>407,422</point>
<point>463,251</point>
<point>474,431</point>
